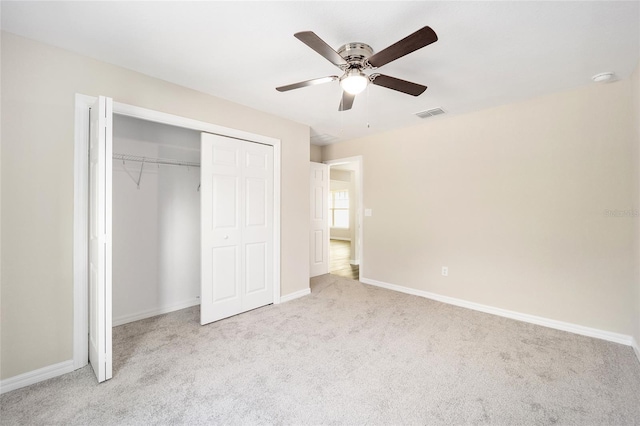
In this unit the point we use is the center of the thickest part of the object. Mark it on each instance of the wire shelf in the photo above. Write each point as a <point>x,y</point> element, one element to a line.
<point>152,160</point>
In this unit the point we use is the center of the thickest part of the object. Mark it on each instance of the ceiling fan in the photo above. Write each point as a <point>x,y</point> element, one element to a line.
<point>354,58</point>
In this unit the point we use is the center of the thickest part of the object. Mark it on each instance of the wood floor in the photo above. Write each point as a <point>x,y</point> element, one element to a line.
<point>340,254</point>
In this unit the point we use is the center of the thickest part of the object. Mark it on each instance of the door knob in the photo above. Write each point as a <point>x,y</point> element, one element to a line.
<point>226,237</point>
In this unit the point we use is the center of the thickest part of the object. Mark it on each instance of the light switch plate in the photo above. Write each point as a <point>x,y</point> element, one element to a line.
<point>368,212</point>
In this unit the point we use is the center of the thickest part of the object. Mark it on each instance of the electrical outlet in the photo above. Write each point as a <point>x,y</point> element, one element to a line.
<point>445,271</point>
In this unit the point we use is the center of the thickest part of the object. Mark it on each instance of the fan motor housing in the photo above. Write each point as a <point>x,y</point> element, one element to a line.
<point>355,54</point>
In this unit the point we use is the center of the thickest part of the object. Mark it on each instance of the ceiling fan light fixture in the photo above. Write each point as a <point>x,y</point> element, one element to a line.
<point>354,58</point>
<point>354,81</point>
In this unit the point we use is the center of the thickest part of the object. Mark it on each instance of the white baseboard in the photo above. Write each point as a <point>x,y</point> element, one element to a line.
<point>35,376</point>
<point>636,348</point>
<point>558,325</point>
<point>291,296</point>
<point>124,319</point>
<point>340,238</point>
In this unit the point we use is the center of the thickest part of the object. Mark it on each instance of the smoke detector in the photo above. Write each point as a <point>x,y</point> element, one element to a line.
<point>604,77</point>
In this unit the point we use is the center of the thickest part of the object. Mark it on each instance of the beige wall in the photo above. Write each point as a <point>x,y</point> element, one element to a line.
<point>635,91</point>
<point>340,233</point>
<point>316,153</point>
<point>39,83</point>
<point>512,199</point>
<point>341,175</point>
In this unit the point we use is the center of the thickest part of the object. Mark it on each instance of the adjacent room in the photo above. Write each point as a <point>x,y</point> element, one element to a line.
<point>320,212</point>
<point>343,220</point>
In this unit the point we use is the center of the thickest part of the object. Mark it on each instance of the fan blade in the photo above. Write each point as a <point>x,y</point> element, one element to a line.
<point>347,101</point>
<point>307,83</point>
<point>316,43</point>
<point>398,84</point>
<point>421,38</point>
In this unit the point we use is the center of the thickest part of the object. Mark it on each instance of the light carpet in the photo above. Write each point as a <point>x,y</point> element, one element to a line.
<point>347,354</point>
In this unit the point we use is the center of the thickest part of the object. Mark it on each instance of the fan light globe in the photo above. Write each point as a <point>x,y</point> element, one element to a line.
<point>354,82</point>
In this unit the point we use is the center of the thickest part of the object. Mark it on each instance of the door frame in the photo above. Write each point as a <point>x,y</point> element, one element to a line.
<point>81,204</point>
<point>360,197</point>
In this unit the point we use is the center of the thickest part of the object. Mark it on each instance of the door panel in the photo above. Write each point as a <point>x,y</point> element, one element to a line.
<point>318,242</point>
<point>320,203</point>
<point>225,156</point>
<point>256,161</point>
<point>100,321</point>
<point>220,238</point>
<point>256,267</point>
<point>258,225</point>
<point>225,214</point>
<point>237,226</point>
<point>319,233</point>
<point>256,202</point>
<point>225,273</point>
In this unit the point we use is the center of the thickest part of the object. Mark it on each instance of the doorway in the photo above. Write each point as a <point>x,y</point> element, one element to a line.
<point>98,335</point>
<point>345,218</point>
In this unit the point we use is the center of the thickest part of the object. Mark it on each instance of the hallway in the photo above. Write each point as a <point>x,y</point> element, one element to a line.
<point>340,253</point>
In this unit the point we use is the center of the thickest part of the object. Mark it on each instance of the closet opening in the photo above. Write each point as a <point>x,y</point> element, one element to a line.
<point>173,213</point>
<point>155,219</point>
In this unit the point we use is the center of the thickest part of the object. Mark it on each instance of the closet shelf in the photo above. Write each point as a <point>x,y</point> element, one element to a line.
<point>152,160</point>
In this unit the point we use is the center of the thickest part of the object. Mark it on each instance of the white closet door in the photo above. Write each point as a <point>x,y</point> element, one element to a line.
<point>100,147</point>
<point>237,227</point>
<point>319,234</point>
<point>257,241</point>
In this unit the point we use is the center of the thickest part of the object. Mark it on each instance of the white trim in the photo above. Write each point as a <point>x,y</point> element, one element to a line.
<point>636,348</point>
<point>35,376</point>
<point>295,295</point>
<point>532,319</point>
<point>339,238</point>
<point>80,232</point>
<point>354,262</point>
<point>360,197</point>
<point>125,319</point>
<point>80,251</point>
<point>277,172</point>
<point>188,123</point>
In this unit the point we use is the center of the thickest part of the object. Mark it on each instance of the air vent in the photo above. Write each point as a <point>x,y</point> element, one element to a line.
<point>430,112</point>
<point>322,139</point>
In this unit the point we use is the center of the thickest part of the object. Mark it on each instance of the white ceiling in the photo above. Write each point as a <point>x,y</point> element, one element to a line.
<point>488,53</point>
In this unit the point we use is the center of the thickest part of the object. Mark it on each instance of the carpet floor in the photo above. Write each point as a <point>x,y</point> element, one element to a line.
<point>346,354</point>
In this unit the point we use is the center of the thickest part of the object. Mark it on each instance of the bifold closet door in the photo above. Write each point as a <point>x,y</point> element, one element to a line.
<point>100,147</point>
<point>237,226</point>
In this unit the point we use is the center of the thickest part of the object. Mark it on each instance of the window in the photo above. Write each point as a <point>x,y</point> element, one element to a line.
<point>339,209</point>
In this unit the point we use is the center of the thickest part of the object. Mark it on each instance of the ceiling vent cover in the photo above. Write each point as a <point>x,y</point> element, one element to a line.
<point>430,112</point>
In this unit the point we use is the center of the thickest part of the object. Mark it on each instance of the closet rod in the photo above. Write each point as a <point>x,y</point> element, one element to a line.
<point>151,160</point>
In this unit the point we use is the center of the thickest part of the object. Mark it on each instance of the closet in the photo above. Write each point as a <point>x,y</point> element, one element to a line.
<point>180,212</point>
<point>156,218</point>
